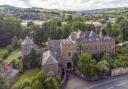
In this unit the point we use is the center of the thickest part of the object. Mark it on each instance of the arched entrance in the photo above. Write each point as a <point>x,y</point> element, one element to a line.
<point>69,66</point>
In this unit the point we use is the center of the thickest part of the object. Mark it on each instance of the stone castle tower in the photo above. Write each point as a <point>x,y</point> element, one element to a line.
<point>27,46</point>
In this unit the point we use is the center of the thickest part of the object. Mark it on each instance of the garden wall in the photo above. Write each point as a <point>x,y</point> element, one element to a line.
<point>63,82</point>
<point>119,71</point>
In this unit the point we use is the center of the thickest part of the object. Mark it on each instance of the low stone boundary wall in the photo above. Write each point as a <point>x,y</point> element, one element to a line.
<point>119,71</point>
<point>63,82</point>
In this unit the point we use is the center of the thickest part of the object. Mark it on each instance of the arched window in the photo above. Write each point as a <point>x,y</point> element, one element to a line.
<point>69,54</point>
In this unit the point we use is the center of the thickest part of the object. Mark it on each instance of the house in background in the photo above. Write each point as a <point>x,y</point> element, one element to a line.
<point>112,20</point>
<point>9,73</point>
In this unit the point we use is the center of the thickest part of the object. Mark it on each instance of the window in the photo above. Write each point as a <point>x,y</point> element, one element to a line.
<point>69,54</point>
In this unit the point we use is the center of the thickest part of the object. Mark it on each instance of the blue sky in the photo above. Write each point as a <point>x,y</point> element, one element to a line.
<point>67,4</point>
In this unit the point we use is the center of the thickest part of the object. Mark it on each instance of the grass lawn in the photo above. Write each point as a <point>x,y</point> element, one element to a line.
<point>13,55</point>
<point>27,75</point>
<point>3,51</point>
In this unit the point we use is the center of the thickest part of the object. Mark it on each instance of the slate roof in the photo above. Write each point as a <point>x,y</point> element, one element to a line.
<point>12,73</point>
<point>54,47</point>
<point>89,35</point>
<point>54,43</point>
<point>48,58</point>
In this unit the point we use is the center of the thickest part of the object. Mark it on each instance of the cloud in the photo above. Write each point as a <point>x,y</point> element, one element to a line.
<point>67,4</point>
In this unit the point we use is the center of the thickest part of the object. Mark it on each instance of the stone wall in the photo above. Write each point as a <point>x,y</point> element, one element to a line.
<point>50,67</point>
<point>119,71</point>
<point>97,47</point>
<point>64,81</point>
<point>68,49</point>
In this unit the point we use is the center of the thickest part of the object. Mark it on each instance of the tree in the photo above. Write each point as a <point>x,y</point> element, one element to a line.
<point>119,38</point>
<point>79,18</point>
<point>121,62</point>
<point>78,25</point>
<point>109,29</point>
<point>54,29</point>
<point>75,25</point>
<point>109,59</point>
<point>121,57</point>
<point>13,26</point>
<point>45,82</point>
<point>50,83</point>
<point>41,35</point>
<point>75,59</point>
<point>124,29</point>
<point>65,29</point>
<point>40,81</point>
<point>102,66</point>
<point>10,27</point>
<point>23,85</point>
<point>51,29</point>
<point>36,85</point>
<point>30,24</point>
<point>58,81</point>
<point>87,65</point>
<point>27,88</point>
<point>116,33</point>
<point>69,17</point>
<point>30,60</point>
<point>42,78</point>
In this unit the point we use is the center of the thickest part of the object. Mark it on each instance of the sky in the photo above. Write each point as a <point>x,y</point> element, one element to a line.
<point>66,4</point>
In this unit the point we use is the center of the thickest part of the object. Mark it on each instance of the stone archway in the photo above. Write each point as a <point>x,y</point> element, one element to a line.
<point>69,65</point>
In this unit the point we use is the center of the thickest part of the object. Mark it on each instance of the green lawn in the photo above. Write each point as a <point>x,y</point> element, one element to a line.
<point>12,56</point>
<point>27,75</point>
<point>3,51</point>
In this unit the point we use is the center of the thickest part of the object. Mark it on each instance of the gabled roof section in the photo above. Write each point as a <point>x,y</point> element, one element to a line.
<point>89,35</point>
<point>27,41</point>
<point>54,43</point>
<point>48,58</point>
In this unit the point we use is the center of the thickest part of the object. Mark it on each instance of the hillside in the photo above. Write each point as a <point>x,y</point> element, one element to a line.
<point>108,10</point>
<point>33,13</point>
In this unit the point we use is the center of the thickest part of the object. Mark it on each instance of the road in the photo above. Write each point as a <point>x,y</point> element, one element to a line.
<point>120,82</point>
<point>75,82</point>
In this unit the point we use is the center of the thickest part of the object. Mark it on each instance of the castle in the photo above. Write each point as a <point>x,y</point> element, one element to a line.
<point>62,51</point>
